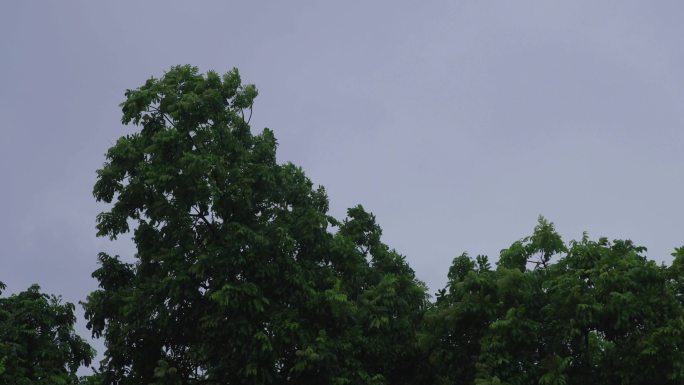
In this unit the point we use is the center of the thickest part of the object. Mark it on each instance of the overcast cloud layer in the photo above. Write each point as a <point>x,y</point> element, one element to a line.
<point>456,122</point>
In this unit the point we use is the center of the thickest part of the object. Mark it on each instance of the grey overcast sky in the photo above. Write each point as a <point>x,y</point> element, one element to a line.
<point>456,122</point>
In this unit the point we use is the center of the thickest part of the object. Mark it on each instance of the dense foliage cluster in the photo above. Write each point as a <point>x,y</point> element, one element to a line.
<point>241,276</point>
<point>37,341</point>
<point>601,314</point>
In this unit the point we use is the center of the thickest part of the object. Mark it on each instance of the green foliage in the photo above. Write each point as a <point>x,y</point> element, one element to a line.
<point>242,277</point>
<point>37,340</point>
<point>389,298</point>
<point>602,314</point>
<point>238,277</point>
<point>537,249</point>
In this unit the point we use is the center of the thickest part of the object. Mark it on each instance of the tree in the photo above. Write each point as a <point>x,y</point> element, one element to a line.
<point>601,314</point>
<point>37,340</point>
<point>238,277</point>
<point>242,277</point>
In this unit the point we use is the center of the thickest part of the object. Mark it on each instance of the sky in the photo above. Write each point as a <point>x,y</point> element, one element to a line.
<point>457,123</point>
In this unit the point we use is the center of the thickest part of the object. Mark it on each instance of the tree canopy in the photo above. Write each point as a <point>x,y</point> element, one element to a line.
<point>238,277</point>
<point>241,276</point>
<point>601,313</point>
<point>37,340</point>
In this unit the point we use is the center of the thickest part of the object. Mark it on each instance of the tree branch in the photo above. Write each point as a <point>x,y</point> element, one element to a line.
<point>163,114</point>
<point>210,225</point>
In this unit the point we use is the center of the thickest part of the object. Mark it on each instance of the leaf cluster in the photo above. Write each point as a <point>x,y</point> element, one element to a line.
<point>37,340</point>
<point>601,314</point>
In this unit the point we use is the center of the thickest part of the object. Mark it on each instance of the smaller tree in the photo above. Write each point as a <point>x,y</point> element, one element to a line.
<point>37,340</point>
<point>599,313</point>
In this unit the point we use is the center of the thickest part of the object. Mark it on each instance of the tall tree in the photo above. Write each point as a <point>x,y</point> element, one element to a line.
<point>238,277</point>
<point>37,340</point>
